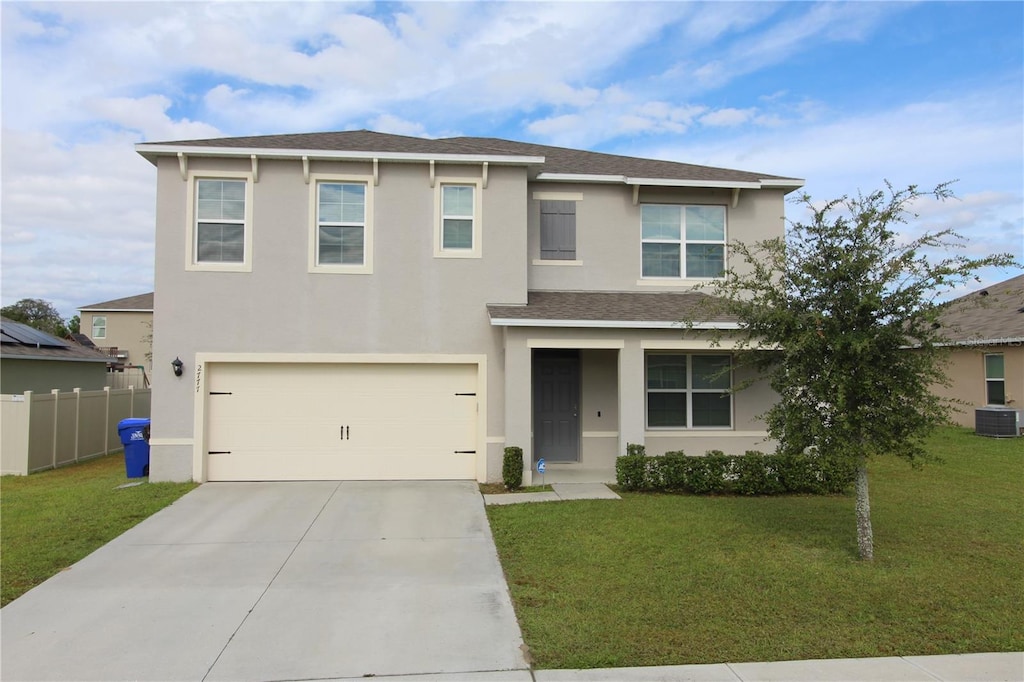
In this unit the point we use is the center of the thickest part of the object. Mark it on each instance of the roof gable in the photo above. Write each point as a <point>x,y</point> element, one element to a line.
<point>140,302</point>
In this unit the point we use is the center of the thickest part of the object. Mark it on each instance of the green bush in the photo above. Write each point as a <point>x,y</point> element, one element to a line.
<point>755,474</point>
<point>631,469</point>
<point>512,468</point>
<point>752,473</point>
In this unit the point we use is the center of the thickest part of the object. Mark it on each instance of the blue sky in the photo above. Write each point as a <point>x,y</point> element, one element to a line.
<point>845,95</point>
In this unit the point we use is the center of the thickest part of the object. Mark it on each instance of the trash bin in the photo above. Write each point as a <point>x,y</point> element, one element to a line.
<point>134,435</point>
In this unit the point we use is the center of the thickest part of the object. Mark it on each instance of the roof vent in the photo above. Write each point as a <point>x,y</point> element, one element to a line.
<point>983,292</point>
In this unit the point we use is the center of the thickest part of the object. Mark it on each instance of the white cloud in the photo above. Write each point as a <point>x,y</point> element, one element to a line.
<point>728,117</point>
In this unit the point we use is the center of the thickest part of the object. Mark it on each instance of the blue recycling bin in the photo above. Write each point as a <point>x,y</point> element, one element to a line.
<point>134,435</point>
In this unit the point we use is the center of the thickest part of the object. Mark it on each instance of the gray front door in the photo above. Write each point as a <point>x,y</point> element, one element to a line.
<point>556,402</point>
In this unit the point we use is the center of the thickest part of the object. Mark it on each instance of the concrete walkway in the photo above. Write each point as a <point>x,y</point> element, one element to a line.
<point>278,581</point>
<point>559,491</point>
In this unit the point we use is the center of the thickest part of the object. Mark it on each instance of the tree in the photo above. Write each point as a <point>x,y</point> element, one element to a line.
<point>37,313</point>
<point>75,325</point>
<point>841,318</point>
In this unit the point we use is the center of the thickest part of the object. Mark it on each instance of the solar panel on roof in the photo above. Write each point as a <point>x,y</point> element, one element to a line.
<point>22,333</point>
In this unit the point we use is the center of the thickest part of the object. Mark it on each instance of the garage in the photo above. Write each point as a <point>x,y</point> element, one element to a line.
<point>340,421</point>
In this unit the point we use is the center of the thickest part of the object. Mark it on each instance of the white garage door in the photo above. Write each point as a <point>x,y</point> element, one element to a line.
<point>299,421</point>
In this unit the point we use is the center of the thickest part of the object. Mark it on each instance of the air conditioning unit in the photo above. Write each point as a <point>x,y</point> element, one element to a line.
<point>997,421</point>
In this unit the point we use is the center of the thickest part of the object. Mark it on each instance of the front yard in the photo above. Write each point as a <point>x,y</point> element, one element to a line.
<point>51,519</point>
<point>662,579</point>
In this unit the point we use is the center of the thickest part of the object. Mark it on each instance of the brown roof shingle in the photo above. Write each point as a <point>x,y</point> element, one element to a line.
<point>656,308</point>
<point>994,314</point>
<point>556,159</point>
<point>141,302</point>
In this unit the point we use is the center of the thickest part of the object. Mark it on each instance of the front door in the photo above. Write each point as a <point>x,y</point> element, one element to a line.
<point>556,403</point>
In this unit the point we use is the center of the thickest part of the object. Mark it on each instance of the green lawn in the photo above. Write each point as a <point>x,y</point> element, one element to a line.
<point>664,579</point>
<point>50,520</point>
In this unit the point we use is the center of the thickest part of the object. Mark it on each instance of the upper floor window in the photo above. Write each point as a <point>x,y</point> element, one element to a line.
<point>685,391</point>
<point>682,241</point>
<point>995,379</point>
<point>99,326</point>
<point>457,229</point>
<point>557,230</point>
<point>219,235</point>
<point>341,238</point>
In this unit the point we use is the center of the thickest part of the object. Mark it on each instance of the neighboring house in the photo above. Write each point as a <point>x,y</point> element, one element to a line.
<point>986,366</point>
<point>358,305</point>
<point>123,326</point>
<point>31,360</point>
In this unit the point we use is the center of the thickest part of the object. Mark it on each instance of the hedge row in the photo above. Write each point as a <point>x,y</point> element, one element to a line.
<point>753,473</point>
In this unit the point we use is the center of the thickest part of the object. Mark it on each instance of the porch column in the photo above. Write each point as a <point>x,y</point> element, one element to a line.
<point>518,401</point>
<point>632,397</point>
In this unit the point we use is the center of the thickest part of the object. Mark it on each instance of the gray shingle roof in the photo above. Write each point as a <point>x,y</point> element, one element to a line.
<point>994,314</point>
<point>141,302</point>
<point>556,159</point>
<point>655,308</point>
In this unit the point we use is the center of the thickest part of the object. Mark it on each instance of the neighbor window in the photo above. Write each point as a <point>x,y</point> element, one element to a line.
<point>682,241</point>
<point>995,379</point>
<point>457,226</point>
<point>219,233</point>
<point>557,230</point>
<point>99,327</point>
<point>688,391</point>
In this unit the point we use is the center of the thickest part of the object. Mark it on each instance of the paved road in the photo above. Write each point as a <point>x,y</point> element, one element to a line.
<point>278,581</point>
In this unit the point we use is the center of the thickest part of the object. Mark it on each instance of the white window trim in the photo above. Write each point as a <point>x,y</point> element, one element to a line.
<point>552,261</point>
<point>366,268</point>
<point>682,241</point>
<point>689,391</point>
<point>191,262</point>
<point>1001,380</point>
<point>94,319</point>
<point>477,250</point>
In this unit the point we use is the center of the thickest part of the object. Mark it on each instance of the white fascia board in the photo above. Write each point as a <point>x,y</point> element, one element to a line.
<point>580,177</point>
<point>668,182</point>
<point>326,154</point>
<point>794,183</point>
<point>609,324</point>
<point>115,310</point>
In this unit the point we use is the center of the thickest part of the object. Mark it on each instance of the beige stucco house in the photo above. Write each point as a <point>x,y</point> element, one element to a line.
<point>123,323</point>
<point>985,333</point>
<point>358,305</point>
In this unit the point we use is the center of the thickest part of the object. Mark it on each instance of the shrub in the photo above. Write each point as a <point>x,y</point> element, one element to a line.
<point>755,475</point>
<point>752,473</point>
<point>512,468</point>
<point>631,468</point>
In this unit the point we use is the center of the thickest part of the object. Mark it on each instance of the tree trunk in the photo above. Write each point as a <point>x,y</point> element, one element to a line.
<point>865,539</point>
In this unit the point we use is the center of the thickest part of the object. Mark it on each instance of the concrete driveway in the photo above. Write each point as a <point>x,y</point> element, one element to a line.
<point>278,581</point>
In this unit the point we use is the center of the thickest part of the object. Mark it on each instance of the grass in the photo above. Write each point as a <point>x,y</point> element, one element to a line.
<point>500,489</point>
<point>50,520</point>
<point>664,579</point>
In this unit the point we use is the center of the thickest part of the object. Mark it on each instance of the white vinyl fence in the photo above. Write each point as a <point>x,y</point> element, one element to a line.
<point>48,430</point>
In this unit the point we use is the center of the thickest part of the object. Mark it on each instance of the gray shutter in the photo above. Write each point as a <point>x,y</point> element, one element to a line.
<point>557,230</point>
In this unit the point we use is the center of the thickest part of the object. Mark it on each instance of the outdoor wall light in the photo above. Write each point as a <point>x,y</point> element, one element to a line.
<point>178,366</point>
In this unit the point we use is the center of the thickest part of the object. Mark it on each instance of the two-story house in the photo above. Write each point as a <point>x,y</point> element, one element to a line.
<point>123,326</point>
<point>358,305</point>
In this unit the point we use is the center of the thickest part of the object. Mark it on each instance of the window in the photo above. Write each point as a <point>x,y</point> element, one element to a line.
<point>341,237</point>
<point>557,230</point>
<point>682,241</point>
<point>688,391</point>
<point>457,226</point>
<point>219,223</point>
<point>99,326</point>
<point>995,379</point>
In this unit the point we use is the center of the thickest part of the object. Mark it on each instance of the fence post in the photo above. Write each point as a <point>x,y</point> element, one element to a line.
<point>106,421</point>
<point>78,419</point>
<point>131,399</point>
<point>56,413</point>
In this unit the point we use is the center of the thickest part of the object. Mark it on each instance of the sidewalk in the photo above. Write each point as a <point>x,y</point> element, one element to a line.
<point>559,491</point>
